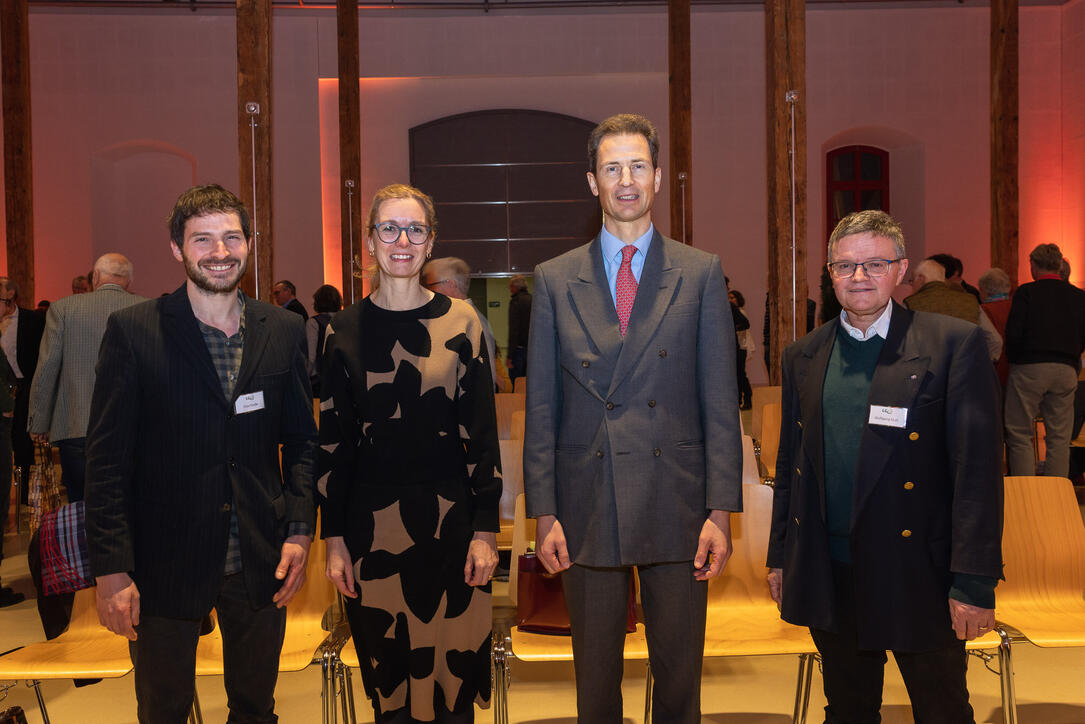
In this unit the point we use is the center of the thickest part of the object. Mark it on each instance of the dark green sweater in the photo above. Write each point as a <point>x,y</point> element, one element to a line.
<point>844,412</point>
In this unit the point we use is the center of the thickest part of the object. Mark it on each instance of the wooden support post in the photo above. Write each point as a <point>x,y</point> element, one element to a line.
<point>785,49</point>
<point>254,138</point>
<point>350,151</point>
<point>1004,133</point>
<point>681,120</point>
<point>18,177</point>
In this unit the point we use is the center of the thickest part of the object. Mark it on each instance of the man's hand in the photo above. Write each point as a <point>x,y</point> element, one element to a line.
<point>338,568</point>
<point>550,544</point>
<point>42,437</point>
<point>481,559</point>
<point>776,585</point>
<point>291,568</point>
<point>969,621</point>
<point>715,539</point>
<point>118,604</point>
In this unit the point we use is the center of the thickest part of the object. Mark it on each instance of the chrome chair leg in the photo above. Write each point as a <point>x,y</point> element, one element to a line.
<point>500,676</point>
<point>346,692</point>
<point>41,700</point>
<point>802,688</point>
<point>649,683</point>
<point>328,713</point>
<point>1005,667</point>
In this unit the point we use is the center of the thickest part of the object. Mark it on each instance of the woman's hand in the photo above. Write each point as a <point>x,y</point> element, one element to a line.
<point>481,559</point>
<point>338,568</point>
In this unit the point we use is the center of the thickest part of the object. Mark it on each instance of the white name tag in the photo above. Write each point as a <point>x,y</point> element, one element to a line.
<point>249,403</point>
<point>889,416</point>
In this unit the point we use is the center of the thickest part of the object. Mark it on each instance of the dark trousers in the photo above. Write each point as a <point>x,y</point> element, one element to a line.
<point>164,656</point>
<point>21,444</point>
<point>674,605</point>
<point>518,362</point>
<point>745,391</point>
<point>73,466</point>
<point>935,680</point>
<point>5,474</point>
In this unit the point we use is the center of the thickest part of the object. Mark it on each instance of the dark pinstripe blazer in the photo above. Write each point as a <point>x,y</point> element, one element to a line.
<point>167,457</point>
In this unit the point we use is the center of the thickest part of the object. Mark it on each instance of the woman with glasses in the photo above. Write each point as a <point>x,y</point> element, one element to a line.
<point>410,478</point>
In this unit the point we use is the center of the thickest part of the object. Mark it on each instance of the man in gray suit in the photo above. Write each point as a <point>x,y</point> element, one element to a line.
<point>64,381</point>
<point>632,454</point>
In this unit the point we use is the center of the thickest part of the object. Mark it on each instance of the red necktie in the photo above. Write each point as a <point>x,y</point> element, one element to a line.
<point>625,287</point>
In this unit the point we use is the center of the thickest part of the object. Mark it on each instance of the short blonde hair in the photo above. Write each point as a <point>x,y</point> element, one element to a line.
<point>871,221</point>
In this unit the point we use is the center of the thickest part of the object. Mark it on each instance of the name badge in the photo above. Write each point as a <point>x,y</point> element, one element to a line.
<point>249,403</point>
<point>888,416</point>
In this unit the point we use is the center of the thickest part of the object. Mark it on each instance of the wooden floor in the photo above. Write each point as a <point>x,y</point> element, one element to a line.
<point>753,690</point>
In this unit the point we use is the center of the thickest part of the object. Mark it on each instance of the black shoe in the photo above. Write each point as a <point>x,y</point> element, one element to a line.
<point>9,597</point>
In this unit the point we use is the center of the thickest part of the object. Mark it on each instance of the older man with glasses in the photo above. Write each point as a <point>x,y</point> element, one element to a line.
<point>886,526</point>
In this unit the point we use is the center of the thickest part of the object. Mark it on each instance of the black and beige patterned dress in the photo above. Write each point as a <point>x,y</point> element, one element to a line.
<point>410,469</point>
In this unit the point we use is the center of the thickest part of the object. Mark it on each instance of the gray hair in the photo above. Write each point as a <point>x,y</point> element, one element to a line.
<point>994,281</point>
<point>450,268</point>
<point>871,221</point>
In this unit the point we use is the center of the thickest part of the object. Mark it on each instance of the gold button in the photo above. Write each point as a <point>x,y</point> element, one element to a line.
<point>906,533</point>
<point>909,485</point>
<point>651,403</point>
<point>798,472</point>
<point>662,353</point>
<point>914,436</point>
<point>796,521</point>
<point>585,363</point>
<point>225,507</point>
<point>799,423</point>
<point>657,452</point>
<point>610,405</point>
<point>598,453</point>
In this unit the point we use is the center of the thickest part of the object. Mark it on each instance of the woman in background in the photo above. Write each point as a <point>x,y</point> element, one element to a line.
<point>412,479</point>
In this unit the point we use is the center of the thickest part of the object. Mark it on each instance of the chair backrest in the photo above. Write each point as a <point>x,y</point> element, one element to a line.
<point>84,619</point>
<point>750,474</point>
<point>507,403</point>
<point>519,385</point>
<point>761,397</point>
<point>1043,540</point>
<point>770,438</point>
<point>512,477</point>
<point>743,580</point>
<point>516,426</point>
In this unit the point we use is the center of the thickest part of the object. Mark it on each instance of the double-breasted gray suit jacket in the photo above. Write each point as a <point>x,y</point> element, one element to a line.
<point>927,500</point>
<point>64,381</point>
<point>630,442</point>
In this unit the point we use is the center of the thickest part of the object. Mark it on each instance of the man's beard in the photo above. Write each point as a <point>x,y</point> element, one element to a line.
<point>215,286</point>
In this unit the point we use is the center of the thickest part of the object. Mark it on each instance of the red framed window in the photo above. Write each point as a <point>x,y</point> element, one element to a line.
<point>856,179</point>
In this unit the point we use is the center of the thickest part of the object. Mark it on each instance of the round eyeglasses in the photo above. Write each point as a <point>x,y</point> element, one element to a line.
<point>872,268</point>
<point>389,233</point>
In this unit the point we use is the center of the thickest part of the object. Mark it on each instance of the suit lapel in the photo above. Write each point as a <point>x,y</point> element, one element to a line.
<point>181,331</point>
<point>809,380</point>
<point>256,339</point>
<point>593,304</point>
<point>655,291</point>
<point>897,379</point>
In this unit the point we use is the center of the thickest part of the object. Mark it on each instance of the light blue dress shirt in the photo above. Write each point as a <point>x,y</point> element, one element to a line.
<point>612,256</point>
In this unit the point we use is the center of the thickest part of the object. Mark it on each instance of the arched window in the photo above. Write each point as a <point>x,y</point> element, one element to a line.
<point>856,179</point>
<point>509,185</point>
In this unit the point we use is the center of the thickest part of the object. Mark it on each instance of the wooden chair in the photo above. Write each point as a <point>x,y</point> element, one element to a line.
<point>512,476</point>
<point>86,650</point>
<point>516,426</point>
<point>769,442</point>
<point>506,404</point>
<point>762,396</point>
<point>519,385</point>
<point>750,474</point>
<point>305,640</point>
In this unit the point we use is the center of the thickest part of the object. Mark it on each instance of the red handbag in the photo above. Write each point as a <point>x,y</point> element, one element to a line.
<point>540,604</point>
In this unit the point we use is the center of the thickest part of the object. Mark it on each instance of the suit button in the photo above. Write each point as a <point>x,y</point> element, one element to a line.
<point>225,507</point>
<point>610,405</point>
<point>662,353</point>
<point>657,452</point>
<point>914,436</point>
<point>798,472</point>
<point>651,403</point>
<point>598,453</point>
<point>906,533</point>
<point>909,485</point>
<point>799,423</point>
<point>585,363</point>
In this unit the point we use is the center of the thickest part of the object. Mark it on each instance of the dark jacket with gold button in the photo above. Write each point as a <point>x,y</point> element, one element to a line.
<point>927,500</point>
<point>631,441</point>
